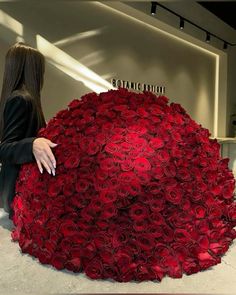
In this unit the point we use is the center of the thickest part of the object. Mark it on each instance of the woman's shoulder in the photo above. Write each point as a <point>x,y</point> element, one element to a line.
<point>19,95</point>
<point>18,101</point>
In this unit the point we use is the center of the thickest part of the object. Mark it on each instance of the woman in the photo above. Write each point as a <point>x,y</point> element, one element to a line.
<point>21,117</point>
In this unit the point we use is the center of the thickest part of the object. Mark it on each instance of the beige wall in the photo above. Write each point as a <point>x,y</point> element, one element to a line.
<point>121,48</point>
<point>231,106</point>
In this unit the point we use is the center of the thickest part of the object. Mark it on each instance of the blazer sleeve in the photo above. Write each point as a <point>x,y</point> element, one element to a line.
<point>14,148</point>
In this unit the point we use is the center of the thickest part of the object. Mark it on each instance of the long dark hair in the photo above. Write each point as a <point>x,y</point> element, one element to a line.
<point>24,69</point>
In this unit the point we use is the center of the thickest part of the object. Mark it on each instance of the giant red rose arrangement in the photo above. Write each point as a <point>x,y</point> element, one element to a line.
<point>140,191</point>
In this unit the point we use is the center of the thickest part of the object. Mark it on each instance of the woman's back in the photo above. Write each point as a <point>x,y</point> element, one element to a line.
<point>20,128</point>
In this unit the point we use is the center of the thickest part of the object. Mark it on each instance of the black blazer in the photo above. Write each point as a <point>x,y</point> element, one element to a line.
<point>16,146</point>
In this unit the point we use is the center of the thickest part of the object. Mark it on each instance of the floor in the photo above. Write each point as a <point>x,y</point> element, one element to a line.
<point>22,274</point>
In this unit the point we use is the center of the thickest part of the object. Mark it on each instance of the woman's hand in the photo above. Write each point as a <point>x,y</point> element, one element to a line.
<point>43,154</point>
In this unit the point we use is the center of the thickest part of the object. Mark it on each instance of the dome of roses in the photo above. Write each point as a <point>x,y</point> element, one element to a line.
<point>140,191</point>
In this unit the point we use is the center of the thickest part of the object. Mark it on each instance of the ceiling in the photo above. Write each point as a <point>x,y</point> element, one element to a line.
<point>225,10</point>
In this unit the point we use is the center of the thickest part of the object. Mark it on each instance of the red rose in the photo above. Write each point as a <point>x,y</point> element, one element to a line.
<point>82,185</point>
<point>156,143</point>
<point>109,211</point>
<point>200,211</point>
<point>108,196</point>
<point>203,242</point>
<point>101,239</point>
<point>142,164</point>
<point>156,205</point>
<point>139,144</point>
<point>74,264</point>
<point>180,251</point>
<point>122,190</point>
<point>140,225</point>
<point>181,235</point>
<point>138,211</point>
<point>94,269</point>
<point>145,241</point>
<point>44,256</point>
<point>174,196</point>
<point>228,190</point>
<point>148,152</point>
<point>116,138</point>
<point>190,266</point>
<point>74,104</point>
<point>101,174</point>
<point>157,218</point>
<point>170,171</point>
<point>93,148</point>
<point>162,250</point>
<point>119,130</point>
<point>155,231</point>
<point>118,239</point>
<point>128,274</point>
<point>158,172</point>
<point>107,164</point>
<point>215,211</point>
<point>142,112</point>
<point>128,114</point>
<point>119,157</point>
<point>50,246</point>
<point>162,156</point>
<point>112,148</point>
<point>92,130</point>
<point>131,137</point>
<point>217,248</point>
<point>154,188</point>
<point>68,228</point>
<point>175,270</point>
<point>206,260</point>
<point>107,127</point>
<point>231,212</point>
<point>127,176</point>
<point>176,220</point>
<point>144,177</point>
<point>122,257</point>
<point>125,146</point>
<point>137,129</point>
<point>158,271</point>
<point>184,174</point>
<point>134,154</point>
<point>120,108</point>
<point>86,161</point>
<point>127,165</point>
<point>134,187</point>
<point>102,224</point>
<point>107,256</point>
<point>142,273</point>
<point>68,189</point>
<point>101,138</point>
<point>58,260</point>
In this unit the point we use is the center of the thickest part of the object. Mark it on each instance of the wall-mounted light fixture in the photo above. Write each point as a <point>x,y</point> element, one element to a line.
<point>183,20</point>
<point>208,37</point>
<point>181,23</point>
<point>154,8</point>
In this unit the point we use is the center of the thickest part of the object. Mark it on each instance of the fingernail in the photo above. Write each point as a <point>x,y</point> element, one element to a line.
<point>54,164</point>
<point>53,172</point>
<point>49,171</point>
